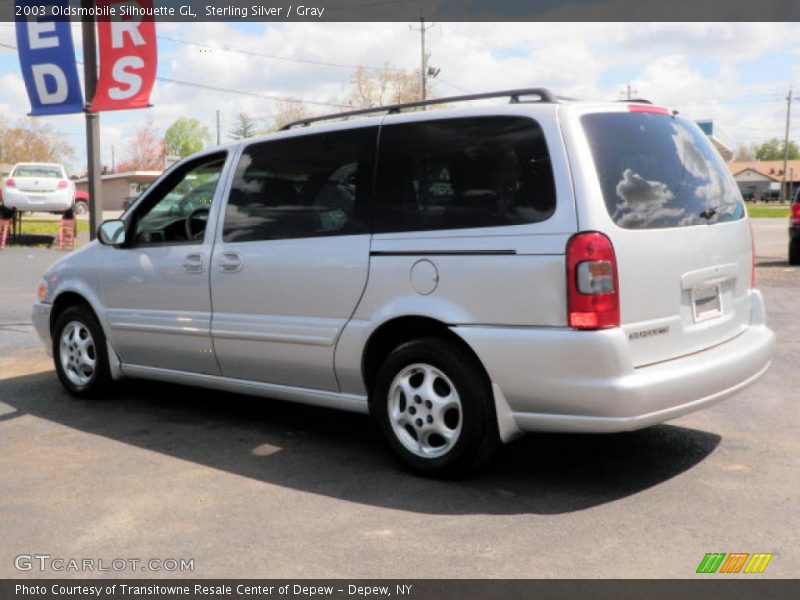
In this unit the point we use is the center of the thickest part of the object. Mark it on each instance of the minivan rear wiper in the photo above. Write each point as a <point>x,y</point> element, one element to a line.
<point>712,211</point>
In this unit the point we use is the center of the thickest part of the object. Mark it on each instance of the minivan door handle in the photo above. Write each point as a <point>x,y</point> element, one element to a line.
<point>231,262</point>
<point>193,263</point>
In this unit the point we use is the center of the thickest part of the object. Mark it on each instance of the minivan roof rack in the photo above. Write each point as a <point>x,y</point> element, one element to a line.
<point>635,101</point>
<point>514,96</point>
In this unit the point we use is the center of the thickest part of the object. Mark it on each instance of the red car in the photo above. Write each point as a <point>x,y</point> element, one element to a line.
<point>81,203</point>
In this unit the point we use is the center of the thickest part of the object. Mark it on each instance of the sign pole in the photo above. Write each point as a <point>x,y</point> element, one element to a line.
<point>93,160</point>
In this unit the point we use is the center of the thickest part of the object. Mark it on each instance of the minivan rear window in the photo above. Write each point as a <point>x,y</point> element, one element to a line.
<point>659,171</point>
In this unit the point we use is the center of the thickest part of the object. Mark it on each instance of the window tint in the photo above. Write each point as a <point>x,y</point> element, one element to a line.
<point>186,195</point>
<point>309,186</point>
<point>462,173</point>
<point>660,171</point>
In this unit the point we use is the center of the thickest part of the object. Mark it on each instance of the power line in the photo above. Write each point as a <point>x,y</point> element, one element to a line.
<point>251,94</point>
<point>231,91</point>
<point>307,61</point>
<point>454,86</point>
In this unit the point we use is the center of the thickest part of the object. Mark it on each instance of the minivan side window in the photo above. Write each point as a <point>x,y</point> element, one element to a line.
<point>307,186</point>
<point>176,212</point>
<point>463,173</point>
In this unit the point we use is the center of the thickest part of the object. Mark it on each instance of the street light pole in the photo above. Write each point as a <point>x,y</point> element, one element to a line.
<point>94,164</point>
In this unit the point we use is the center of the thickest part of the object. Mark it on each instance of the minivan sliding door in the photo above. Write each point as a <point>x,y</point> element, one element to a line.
<point>291,260</point>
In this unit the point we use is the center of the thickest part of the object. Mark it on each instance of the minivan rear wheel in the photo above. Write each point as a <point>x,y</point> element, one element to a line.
<point>79,353</point>
<point>433,403</point>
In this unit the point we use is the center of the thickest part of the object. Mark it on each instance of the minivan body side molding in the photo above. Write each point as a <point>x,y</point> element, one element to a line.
<point>337,400</point>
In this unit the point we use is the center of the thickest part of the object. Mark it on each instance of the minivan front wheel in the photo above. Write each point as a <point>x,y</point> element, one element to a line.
<point>434,406</point>
<point>79,352</point>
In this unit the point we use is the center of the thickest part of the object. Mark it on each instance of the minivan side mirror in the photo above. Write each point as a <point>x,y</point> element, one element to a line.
<point>112,233</point>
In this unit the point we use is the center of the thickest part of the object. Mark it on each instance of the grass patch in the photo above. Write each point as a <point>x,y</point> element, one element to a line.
<point>771,212</point>
<point>47,226</point>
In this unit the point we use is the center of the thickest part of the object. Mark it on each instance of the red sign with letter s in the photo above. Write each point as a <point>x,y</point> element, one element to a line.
<point>128,60</point>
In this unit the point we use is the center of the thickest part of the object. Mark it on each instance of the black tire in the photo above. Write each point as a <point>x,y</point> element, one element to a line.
<point>99,381</point>
<point>81,208</point>
<point>478,438</point>
<point>794,252</point>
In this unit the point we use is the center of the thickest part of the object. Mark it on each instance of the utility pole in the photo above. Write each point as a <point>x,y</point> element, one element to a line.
<point>94,164</point>
<point>218,138</point>
<point>784,192</point>
<point>629,91</point>
<point>113,161</point>
<point>424,56</point>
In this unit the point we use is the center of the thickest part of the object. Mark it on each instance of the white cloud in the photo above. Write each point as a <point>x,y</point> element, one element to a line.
<point>585,60</point>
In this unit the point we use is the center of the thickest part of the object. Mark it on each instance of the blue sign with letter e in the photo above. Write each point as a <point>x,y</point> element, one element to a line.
<point>47,58</point>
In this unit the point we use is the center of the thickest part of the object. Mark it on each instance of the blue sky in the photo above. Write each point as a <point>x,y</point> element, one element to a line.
<point>734,73</point>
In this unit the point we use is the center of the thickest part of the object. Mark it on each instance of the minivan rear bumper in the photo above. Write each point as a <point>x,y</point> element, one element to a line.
<point>555,379</point>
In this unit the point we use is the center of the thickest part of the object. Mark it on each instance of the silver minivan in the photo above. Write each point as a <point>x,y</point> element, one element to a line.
<point>465,275</point>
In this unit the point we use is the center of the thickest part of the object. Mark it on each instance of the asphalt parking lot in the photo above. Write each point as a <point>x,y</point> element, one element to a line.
<point>249,487</point>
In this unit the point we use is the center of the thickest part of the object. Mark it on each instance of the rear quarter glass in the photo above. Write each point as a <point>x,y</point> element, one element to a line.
<point>658,171</point>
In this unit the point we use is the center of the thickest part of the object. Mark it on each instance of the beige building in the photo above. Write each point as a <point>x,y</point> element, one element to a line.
<point>757,177</point>
<point>117,187</point>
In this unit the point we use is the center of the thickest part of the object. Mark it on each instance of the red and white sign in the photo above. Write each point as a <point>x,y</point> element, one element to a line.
<point>128,59</point>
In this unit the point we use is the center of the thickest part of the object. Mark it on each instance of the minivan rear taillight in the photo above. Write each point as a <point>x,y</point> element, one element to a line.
<point>592,284</point>
<point>10,182</point>
<point>63,184</point>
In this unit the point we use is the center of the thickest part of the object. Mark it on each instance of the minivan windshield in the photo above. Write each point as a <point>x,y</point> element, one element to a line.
<point>659,171</point>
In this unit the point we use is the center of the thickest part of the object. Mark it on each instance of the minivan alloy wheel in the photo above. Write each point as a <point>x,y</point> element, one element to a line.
<point>425,410</point>
<point>77,353</point>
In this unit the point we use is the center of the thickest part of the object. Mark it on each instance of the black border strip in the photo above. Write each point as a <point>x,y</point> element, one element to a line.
<point>321,11</point>
<point>707,588</point>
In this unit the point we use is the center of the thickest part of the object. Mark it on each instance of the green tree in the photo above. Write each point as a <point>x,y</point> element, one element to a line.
<point>774,150</point>
<point>186,136</point>
<point>243,127</point>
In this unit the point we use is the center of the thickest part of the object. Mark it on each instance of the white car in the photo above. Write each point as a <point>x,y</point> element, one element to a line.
<point>464,275</point>
<point>38,187</point>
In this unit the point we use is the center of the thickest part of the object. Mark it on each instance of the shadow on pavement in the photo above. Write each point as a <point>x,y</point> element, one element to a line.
<point>340,455</point>
<point>32,239</point>
<point>771,264</point>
